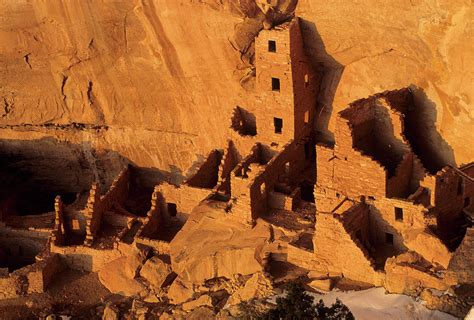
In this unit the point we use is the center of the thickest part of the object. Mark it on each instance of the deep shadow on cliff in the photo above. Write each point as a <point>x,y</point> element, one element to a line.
<point>331,75</point>
<point>420,129</point>
<point>34,172</point>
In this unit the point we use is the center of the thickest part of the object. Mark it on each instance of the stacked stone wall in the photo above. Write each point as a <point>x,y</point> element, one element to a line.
<point>207,174</point>
<point>154,217</point>
<point>338,252</point>
<point>185,197</point>
<point>97,205</point>
<point>229,161</point>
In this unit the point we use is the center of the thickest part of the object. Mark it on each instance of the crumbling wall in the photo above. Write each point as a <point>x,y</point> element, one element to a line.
<point>43,272</point>
<point>425,243</point>
<point>460,268</point>
<point>354,173</point>
<point>281,201</point>
<point>75,226</point>
<point>338,252</point>
<point>409,224</point>
<point>11,287</point>
<point>357,224</point>
<point>409,273</point>
<point>185,197</point>
<point>154,216</point>
<point>207,174</point>
<point>97,205</point>
<point>448,204</point>
<point>376,131</point>
<point>249,191</point>
<point>85,258</point>
<point>229,161</point>
<point>400,184</point>
<point>58,234</point>
<point>243,122</point>
<point>282,168</point>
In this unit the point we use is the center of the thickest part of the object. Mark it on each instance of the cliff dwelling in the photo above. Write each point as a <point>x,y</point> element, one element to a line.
<point>191,219</point>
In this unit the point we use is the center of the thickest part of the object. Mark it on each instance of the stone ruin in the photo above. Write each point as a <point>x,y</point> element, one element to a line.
<point>372,207</point>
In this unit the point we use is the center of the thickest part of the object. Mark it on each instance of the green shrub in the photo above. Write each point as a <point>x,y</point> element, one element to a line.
<point>298,305</point>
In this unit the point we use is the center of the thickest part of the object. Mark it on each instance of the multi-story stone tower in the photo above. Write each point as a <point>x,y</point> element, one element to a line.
<point>286,85</point>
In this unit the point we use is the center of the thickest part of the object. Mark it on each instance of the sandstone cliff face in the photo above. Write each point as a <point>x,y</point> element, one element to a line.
<point>372,46</point>
<point>157,81</point>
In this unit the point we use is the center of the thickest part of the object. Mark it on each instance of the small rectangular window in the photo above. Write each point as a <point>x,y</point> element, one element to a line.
<point>278,123</point>
<point>272,46</point>
<point>275,84</point>
<point>172,209</point>
<point>306,80</point>
<point>75,224</point>
<point>398,214</point>
<point>306,117</point>
<point>388,238</point>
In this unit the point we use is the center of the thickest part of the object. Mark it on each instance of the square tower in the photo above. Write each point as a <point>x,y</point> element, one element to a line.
<point>285,83</point>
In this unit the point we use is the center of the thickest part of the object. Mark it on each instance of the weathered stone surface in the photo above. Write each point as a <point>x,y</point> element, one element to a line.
<point>134,262</point>
<point>226,247</point>
<point>368,62</point>
<point>428,246</point>
<point>114,278</point>
<point>180,291</point>
<point>408,273</point>
<point>201,313</point>
<point>110,312</point>
<point>461,266</point>
<point>258,286</point>
<point>439,300</point>
<point>321,284</point>
<point>202,301</point>
<point>185,78</point>
<point>155,271</point>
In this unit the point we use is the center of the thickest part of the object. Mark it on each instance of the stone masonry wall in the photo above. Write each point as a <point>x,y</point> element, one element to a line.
<point>185,197</point>
<point>207,174</point>
<point>449,202</point>
<point>274,104</point>
<point>400,184</point>
<point>59,232</point>
<point>339,253</point>
<point>354,173</point>
<point>154,216</point>
<point>306,82</point>
<point>460,267</point>
<point>229,161</point>
<point>43,272</point>
<point>97,205</point>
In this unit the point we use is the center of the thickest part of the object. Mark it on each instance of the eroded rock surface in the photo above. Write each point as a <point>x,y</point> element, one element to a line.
<point>211,245</point>
<point>151,76</point>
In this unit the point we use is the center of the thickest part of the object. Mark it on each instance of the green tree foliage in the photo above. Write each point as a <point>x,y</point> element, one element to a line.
<point>298,305</point>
